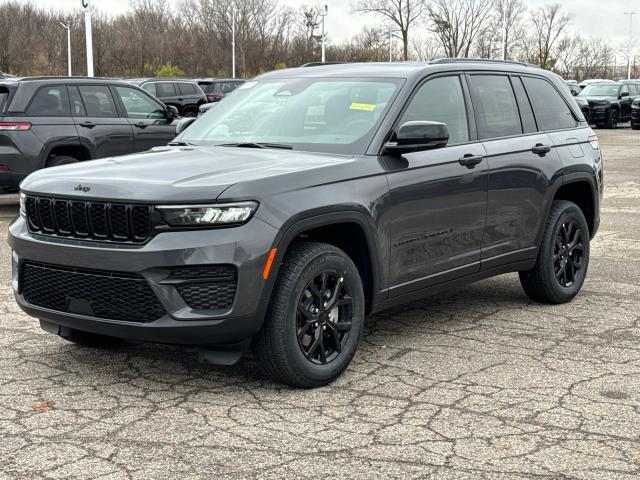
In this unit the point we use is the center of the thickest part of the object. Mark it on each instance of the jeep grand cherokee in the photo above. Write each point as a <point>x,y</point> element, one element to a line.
<point>308,199</point>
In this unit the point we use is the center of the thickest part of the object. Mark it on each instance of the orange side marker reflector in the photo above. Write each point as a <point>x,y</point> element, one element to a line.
<point>267,267</point>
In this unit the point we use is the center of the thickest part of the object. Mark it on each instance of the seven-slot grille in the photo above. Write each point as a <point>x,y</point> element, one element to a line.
<point>95,293</point>
<point>114,222</point>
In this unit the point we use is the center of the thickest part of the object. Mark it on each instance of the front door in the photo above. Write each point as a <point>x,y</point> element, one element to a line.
<point>438,197</point>
<point>98,122</point>
<point>151,128</point>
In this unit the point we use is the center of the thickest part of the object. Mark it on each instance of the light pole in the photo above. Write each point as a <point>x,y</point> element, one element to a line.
<point>323,14</point>
<point>390,58</point>
<point>631,14</point>
<point>68,27</point>
<point>504,37</point>
<point>86,4</point>
<point>233,41</point>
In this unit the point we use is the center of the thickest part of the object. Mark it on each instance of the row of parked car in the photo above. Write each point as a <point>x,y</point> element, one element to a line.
<point>50,121</point>
<point>606,103</point>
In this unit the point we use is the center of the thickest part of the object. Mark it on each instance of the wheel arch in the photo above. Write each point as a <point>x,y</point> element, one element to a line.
<point>340,229</point>
<point>77,150</point>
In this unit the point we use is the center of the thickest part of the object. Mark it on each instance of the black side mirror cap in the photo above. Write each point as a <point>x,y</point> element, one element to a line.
<point>171,112</point>
<point>416,136</point>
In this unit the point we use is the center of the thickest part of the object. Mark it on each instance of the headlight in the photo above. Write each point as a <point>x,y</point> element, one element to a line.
<point>208,215</point>
<point>23,204</point>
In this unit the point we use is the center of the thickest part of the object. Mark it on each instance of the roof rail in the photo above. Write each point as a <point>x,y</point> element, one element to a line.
<point>438,61</point>
<point>319,64</point>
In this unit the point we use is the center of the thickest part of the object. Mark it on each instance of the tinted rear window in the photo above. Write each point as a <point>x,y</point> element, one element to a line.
<point>186,88</point>
<point>497,110</point>
<point>165,89</point>
<point>4,95</point>
<point>550,109</point>
<point>50,101</point>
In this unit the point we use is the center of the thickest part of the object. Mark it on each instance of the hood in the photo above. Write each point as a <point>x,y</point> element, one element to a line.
<point>174,174</point>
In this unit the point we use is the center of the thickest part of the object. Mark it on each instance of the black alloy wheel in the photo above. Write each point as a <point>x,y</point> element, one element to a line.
<point>324,317</point>
<point>568,253</point>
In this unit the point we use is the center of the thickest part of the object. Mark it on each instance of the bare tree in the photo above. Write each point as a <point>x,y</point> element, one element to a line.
<point>509,15</point>
<point>549,22</point>
<point>425,48</point>
<point>457,23</point>
<point>402,14</point>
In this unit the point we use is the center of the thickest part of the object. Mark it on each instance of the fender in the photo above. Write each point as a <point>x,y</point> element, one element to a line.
<point>309,220</point>
<point>567,178</point>
<point>50,146</point>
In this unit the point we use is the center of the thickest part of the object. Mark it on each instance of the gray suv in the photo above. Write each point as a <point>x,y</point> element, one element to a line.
<point>308,199</point>
<point>51,121</point>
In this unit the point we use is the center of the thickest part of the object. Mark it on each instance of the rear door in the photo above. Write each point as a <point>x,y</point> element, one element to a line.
<point>166,92</point>
<point>438,197</point>
<point>521,161</point>
<point>147,117</point>
<point>98,121</point>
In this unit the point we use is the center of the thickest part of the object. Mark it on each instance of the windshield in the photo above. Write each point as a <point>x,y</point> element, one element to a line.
<point>600,90</point>
<point>312,114</point>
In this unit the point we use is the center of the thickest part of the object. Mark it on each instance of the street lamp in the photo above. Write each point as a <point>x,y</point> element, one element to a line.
<point>68,27</point>
<point>323,14</point>
<point>233,41</point>
<point>631,14</point>
<point>86,4</point>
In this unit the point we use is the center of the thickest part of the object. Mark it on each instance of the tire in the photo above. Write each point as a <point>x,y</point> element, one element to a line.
<point>87,339</point>
<point>612,119</point>
<point>189,113</point>
<point>61,160</point>
<point>546,282</point>
<point>635,126</point>
<point>284,348</point>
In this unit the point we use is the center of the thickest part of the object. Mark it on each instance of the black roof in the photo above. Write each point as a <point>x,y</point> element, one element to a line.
<point>403,69</point>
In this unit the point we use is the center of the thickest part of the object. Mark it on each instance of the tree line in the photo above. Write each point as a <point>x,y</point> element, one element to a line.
<point>194,38</point>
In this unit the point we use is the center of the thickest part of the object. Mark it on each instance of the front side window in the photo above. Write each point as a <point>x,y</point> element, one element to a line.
<point>98,101</point>
<point>441,100</point>
<point>624,89</point>
<point>165,89</point>
<point>551,111</point>
<point>50,102</point>
<point>138,105</point>
<point>313,114</point>
<point>495,106</point>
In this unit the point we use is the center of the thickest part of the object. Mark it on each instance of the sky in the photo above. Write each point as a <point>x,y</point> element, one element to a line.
<point>595,18</point>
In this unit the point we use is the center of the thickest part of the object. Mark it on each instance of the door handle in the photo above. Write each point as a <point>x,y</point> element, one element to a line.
<point>541,149</point>
<point>87,124</point>
<point>469,160</point>
<point>140,125</point>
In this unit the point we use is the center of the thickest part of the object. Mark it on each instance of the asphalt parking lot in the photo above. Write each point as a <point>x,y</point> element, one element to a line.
<point>479,383</point>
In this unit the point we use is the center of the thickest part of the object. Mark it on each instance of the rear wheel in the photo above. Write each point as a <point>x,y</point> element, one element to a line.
<point>60,160</point>
<point>563,257</point>
<point>315,319</point>
<point>635,126</point>
<point>190,113</point>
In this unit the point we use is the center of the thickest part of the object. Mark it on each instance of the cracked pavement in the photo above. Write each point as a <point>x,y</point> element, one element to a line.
<point>478,383</point>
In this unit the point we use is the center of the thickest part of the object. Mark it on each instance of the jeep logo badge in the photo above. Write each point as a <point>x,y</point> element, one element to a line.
<point>82,188</point>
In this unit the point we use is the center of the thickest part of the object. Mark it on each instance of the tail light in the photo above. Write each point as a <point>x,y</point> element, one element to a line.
<point>14,126</point>
<point>214,98</point>
<point>3,168</point>
<point>593,141</point>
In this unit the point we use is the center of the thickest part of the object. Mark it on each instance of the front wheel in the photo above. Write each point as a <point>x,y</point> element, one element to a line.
<point>612,121</point>
<point>315,319</point>
<point>563,257</point>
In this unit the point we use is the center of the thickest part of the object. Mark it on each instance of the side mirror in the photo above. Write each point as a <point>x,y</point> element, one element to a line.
<point>183,123</point>
<point>171,112</point>
<point>419,135</point>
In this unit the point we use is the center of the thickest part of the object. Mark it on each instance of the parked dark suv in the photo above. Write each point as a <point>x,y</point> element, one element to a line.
<point>49,121</point>
<point>610,102</point>
<point>217,88</point>
<point>185,95</point>
<point>635,114</point>
<point>307,200</point>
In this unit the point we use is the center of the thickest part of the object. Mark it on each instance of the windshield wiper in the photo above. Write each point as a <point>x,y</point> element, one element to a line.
<point>283,146</point>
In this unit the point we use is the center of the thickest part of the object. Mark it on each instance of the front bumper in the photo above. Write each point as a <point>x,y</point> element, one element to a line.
<point>599,114</point>
<point>245,247</point>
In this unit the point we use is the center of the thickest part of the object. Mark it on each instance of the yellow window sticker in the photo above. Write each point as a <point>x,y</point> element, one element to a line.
<point>365,107</point>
